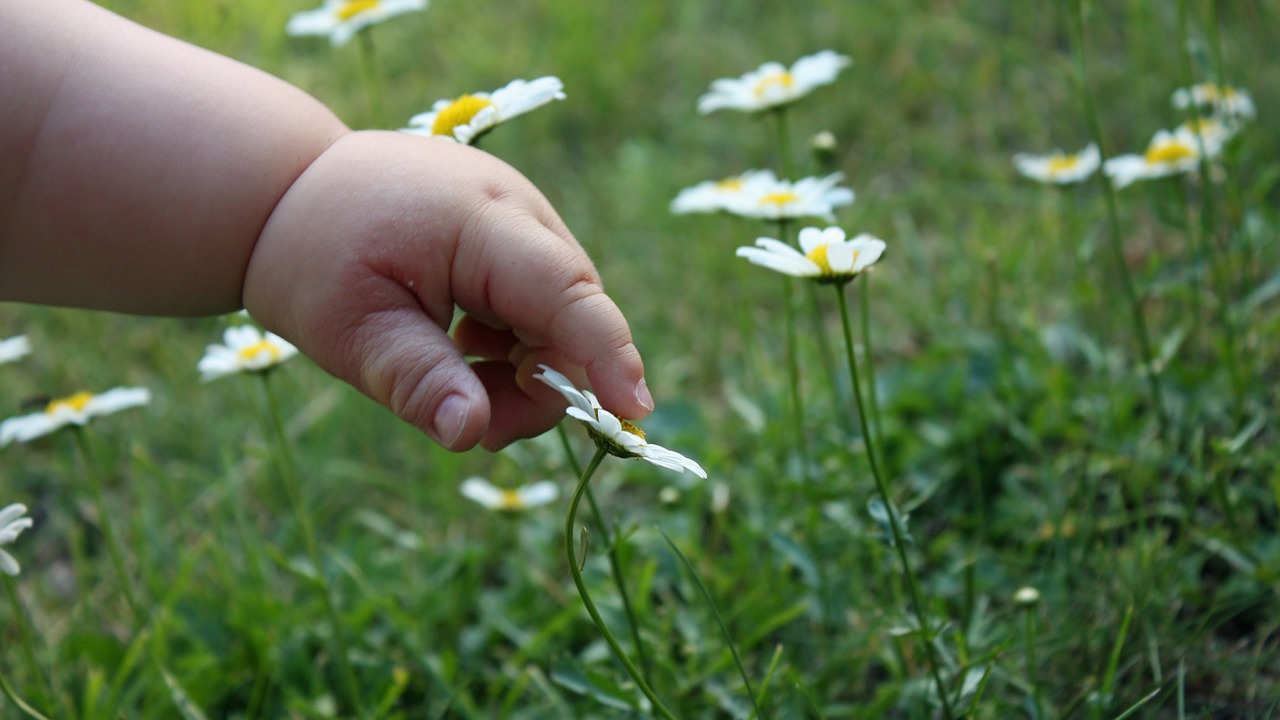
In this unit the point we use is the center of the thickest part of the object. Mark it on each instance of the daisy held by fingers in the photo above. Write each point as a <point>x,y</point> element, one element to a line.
<point>621,438</point>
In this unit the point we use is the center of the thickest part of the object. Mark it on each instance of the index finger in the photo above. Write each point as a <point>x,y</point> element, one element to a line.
<point>541,284</point>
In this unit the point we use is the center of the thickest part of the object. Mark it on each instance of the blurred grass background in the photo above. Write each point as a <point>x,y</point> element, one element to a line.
<point>1002,355</point>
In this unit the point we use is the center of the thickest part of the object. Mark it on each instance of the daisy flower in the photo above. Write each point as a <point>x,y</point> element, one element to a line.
<point>1169,153</point>
<point>772,199</point>
<point>14,348</point>
<point>1214,133</point>
<point>467,118</point>
<point>521,498</point>
<point>342,19</point>
<point>773,84</point>
<point>1059,167</point>
<point>11,525</point>
<point>827,256</point>
<point>245,348</point>
<point>712,196</point>
<point>75,409</point>
<point>614,435</point>
<point>1223,100</point>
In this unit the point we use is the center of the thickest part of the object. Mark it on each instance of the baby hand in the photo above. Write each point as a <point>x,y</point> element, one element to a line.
<point>365,258</point>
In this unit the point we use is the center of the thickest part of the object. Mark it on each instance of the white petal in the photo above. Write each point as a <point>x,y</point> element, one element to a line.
<point>117,399</point>
<point>840,257</point>
<point>11,513</point>
<point>539,493</point>
<point>483,492</point>
<point>29,427</point>
<point>320,21</point>
<point>870,249</point>
<point>14,348</point>
<point>8,565</point>
<point>11,531</point>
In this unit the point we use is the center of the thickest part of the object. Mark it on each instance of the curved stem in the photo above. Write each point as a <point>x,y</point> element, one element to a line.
<point>611,539</point>
<point>895,528</point>
<point>572,554</point>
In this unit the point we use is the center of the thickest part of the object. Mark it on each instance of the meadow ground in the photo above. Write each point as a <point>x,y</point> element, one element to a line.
<point>1019,432</point>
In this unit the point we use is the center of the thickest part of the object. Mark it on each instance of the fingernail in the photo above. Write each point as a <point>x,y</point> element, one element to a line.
<point>451,419</point>
<point>642,395</point>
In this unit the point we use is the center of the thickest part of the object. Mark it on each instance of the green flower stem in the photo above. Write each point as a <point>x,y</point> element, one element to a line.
<point>882,489</point>
<point>287,469</point>
<point>1117,241</point>
<point>1029,635</point>
<point>95,476</point>
<point>786,161</point>
<point>571,552</point>
<point>19,702</point>
<point>825,354</point>
<point>864,300</point>
<point>1208,220</point>
<point>611,539</point>
<point>26,636</point>
<point>372,84</point>
<point>793,357</point>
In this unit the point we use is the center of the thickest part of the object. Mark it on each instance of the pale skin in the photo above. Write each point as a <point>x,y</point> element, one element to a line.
<point>141,174</point>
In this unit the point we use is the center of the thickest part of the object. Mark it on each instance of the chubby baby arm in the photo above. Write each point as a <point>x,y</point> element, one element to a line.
<point>141,174</point>
<point>136,170</point>
<point>364,260</point>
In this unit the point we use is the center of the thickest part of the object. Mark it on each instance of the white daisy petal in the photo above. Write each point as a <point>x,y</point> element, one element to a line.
<point>617,436</point>
<point>544,492</point>
<point>773,199</point>
<point>1058,167</point>
<point>11,525</point>
<point>75,409</point>
<point>245,348</point>
<point>466,118</point>
<point>14,348</point>
<point>340,20</point>
<point>828,257</point>
<point>772,84</point>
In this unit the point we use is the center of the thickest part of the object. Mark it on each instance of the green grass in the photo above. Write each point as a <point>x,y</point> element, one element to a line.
<point>1005,361</point>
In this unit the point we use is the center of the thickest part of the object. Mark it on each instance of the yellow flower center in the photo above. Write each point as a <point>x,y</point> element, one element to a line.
<point>1202,126</point>
<point>458,113</point>
<point>631,428</point>
<point>1062,163</point>
<point>1168,152</point>
<point>351,8</point>
<point>75,403</point>
<point>779,198</point>
<point>782,80</point>
<point>250,352</point>
<point>819,256</point>
<point>733,183</point>
<point>510,500</point>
